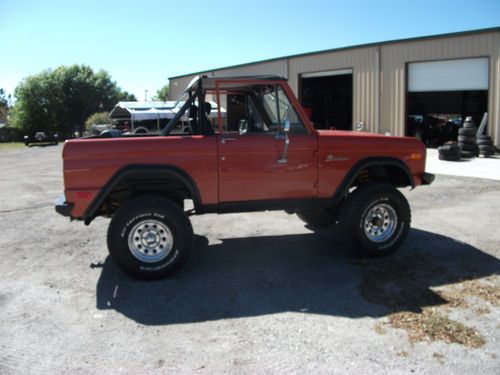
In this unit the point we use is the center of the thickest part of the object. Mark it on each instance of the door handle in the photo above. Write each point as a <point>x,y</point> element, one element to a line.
<point>283,158</point>
<point>224,140</point>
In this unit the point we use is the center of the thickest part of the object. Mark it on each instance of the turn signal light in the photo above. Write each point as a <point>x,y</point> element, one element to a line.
<point>415,156</point>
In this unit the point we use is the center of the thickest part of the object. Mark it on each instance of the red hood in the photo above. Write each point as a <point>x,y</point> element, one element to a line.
<point>362,141</point>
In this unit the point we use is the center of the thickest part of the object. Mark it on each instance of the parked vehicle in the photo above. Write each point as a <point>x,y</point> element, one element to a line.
<point>264,155</point>
<point>433,131</point>
<point>41,138</point>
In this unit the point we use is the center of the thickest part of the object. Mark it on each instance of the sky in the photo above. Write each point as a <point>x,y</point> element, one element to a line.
<point>142,43</point>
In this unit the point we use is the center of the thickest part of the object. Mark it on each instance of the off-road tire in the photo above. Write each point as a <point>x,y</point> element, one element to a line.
<point>165,222</point>
<point>467,154</point>
<point>487,148</point>
<point>472,148</point>
<point>467,131</point>
<point>485,142</point>
<point>486,154</point>
<point>466,138</point>
<point>355,221</point>
<point>316,218</point>
<point>449,157</point>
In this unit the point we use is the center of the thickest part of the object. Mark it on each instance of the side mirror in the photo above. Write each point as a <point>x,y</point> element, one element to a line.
<point>286,126</point>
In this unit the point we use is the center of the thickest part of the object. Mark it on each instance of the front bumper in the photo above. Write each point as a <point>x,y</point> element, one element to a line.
<point>427,178</point>
<point>62,207</point>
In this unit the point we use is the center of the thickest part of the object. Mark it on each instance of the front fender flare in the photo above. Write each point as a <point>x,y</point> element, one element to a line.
<point>350,177</point>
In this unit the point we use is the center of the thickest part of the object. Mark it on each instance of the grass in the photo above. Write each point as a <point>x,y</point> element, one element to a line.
<point>11,146</point>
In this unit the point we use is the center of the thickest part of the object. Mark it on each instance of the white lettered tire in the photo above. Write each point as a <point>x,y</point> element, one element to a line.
<point>376,219</point>
<point>150,237</point>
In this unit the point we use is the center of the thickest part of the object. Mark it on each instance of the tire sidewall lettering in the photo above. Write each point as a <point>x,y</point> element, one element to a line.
<point>165,262</point>
<point>169,261</point>
<point>132,221</point>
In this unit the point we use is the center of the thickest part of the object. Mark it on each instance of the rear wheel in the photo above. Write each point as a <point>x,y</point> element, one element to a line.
<point>150,237</point>
<point>376,219</point>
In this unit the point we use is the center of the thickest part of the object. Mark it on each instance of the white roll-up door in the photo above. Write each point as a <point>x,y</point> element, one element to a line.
<point>448,75</point>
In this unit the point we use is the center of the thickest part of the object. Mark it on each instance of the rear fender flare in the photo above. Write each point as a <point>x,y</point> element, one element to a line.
<point>130,170</point>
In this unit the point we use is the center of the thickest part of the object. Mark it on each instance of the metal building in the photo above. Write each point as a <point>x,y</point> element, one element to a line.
<point>392,87</point>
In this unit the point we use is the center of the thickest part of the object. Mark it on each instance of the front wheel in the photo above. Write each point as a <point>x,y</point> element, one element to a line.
<point>376,219</point>
<point>150,237</point>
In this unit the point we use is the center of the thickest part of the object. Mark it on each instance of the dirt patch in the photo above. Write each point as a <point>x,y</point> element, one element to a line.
<point>404,286</point>
<point>430,325</point>
<point>486,289</point>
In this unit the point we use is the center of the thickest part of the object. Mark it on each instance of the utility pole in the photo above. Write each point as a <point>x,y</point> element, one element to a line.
<point>146,95</point>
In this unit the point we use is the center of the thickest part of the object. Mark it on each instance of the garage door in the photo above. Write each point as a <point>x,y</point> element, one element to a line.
<point>449,75</point>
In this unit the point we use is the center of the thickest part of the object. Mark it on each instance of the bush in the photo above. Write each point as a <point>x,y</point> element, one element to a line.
<point>8,134</point>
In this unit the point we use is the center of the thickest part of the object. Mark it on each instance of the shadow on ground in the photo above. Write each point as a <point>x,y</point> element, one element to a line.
<point>308,273</point>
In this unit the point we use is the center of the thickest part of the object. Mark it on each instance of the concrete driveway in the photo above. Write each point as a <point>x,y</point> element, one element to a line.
<point>261,293</point>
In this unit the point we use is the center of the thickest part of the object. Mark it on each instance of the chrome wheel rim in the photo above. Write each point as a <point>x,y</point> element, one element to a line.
<point>150,241</point>
<point>380,223</point>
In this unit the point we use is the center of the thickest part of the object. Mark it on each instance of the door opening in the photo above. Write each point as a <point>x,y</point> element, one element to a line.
<point>328,100</point>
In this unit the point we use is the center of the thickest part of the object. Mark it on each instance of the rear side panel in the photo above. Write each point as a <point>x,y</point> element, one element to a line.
<point>89,164</point>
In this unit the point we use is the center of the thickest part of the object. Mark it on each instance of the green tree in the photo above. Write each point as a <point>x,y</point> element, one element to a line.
<point>162,94</point>
<point>97,118</point>
<point>4,105</point>
<point>62,99</point>
<point>4,101</point>
<point>127,97</point>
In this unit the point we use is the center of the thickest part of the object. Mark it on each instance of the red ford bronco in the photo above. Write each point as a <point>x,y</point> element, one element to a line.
<point>261,152</point>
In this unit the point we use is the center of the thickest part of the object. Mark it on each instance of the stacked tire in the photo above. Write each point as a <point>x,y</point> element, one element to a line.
<point>449,152</point>
<point>485,144</point>
<point>467,139</point>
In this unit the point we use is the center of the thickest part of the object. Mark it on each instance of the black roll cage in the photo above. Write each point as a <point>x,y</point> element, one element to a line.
<point>201,128</point>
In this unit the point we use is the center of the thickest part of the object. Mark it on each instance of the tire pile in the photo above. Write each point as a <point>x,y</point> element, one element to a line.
<point>450,152</point>
<point>485,144</point>
<point>467,139</point>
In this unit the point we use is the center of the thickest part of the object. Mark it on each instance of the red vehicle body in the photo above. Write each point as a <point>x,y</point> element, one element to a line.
<point>275,160</point>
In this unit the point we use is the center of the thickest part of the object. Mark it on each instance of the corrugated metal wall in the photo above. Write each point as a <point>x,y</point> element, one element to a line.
<point>363,62</point>
<point>278,67</point>
<point>379,75</point>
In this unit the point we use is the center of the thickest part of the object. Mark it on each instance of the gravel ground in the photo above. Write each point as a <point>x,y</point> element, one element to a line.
<point>261,293</point>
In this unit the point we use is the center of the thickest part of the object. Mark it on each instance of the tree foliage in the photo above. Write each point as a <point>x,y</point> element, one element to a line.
<point>60,100</point>
<point>162,94</point>
<point>4,101</point>
<point>127,97</point>
<point>4,105</point>
<point>97,118</point>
